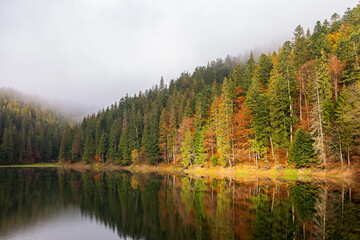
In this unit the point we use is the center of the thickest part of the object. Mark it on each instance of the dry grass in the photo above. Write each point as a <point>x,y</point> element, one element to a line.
<point>248,172</point>
<point>333,173</point>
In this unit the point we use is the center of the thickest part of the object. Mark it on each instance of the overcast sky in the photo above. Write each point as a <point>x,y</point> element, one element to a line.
<point>93,52</point>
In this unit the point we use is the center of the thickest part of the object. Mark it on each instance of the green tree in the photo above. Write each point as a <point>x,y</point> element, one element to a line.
<point>302,152</point>
<point>7,147</point>
<point>265,67</point>
<point>248,73</point>
<point>225,127</point>
<point>89,149</point>
<point>187,149</point>
<point>322,106</point>
<point>114,137</point>
<point>347,121</point>
<point>66,145</point>
<point>259,103</point>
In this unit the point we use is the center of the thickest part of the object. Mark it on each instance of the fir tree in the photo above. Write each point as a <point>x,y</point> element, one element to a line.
<point>89,149</point>
<point>302,153</point>
<point>187,149</point>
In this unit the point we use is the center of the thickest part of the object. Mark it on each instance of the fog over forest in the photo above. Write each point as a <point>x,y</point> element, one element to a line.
<point>88,54</point>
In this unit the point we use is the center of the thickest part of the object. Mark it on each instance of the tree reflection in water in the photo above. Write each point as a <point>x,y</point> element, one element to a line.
<point>152,206</point>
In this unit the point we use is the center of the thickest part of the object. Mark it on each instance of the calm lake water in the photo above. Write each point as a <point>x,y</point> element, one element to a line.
<point>54,204</point>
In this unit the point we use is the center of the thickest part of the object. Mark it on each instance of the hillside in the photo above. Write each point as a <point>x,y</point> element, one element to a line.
<point>28,132</point>
<point>299,105</point>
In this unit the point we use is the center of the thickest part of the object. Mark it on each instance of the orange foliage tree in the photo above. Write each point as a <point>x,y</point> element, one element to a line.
<point>187,124</point>
<point>210,142</point>
<point>335,66</point>
<point>242,127</point>
<point>304,78</point>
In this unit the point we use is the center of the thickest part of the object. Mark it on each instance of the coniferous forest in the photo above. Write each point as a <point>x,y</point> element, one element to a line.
<point>299,105</point>
<point>29,132</point>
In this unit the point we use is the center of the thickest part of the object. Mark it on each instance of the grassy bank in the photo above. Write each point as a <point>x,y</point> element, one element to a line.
<point>244,172</point>
<point>37,165</point>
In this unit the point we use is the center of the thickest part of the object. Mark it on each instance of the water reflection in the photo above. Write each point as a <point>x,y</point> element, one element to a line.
<point>151,206</point>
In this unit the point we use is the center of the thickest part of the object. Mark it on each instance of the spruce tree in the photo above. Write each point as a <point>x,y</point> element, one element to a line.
<point>114,137</point>
<point>302,152</point>
<point>265,67</point>
<point>322,107</point>
<point>248,73</point>
<point>7,147</point>
<point>225,127</point>
<point>187,149</point>
<point>89,149</point>
<point>259,103</point>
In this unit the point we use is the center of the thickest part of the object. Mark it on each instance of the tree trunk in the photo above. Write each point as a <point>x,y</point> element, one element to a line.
<point>335,88</point>
<point>342,204</point>
<point>300,103</point>
<point>290,106</point>
<point>256,160</point>
<point>273,200</point>
<point>272,148</point>
<point>341,156</point>
<point>324,222</point>
<point>173,154</point>
<point>322,150</point>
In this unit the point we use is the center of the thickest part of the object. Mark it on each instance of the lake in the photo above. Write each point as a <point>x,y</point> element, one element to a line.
<point>57,204</point>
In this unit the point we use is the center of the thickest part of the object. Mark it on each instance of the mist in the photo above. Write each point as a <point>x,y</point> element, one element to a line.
<point>87,54</point>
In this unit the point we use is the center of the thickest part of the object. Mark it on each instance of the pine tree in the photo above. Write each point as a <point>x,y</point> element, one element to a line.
<point>7,147</point>
<point>124,149</point>
<point>259,103</point>
<point>300,43</point>
<point>103,146</point>
<point>237,75</point>
<point>305,77</point>
<point>29,157</point>
<point>321,106</point>
<point>89,149</point>
<point>210,141</point>
<point>248,73</point>
<point>114,138</point>
<point>199,148</point>
<point>76,153</point>
<point>347,122</point>
<point>66,145</point>
<point>302,152</point>
<point>225,128</point>
<point>164,130</point>
<point>187,149</point>
<point>265,67</point>
<point>145,141</point>
<point>172,134</point>
<point>280,115</point>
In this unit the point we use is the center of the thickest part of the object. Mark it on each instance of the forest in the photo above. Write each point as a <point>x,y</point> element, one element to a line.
<point>298,106</point>
<point>29,132</point>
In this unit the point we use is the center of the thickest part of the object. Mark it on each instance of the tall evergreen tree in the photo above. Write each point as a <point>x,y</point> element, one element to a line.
<point>302,152</point>
<point>248,73</point>
<point>321,106</point>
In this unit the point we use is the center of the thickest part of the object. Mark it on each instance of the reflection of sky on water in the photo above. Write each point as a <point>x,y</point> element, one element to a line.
<point>67,224</point>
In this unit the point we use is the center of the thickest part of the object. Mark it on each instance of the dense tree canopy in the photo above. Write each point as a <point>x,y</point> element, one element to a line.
<point>30,133</point>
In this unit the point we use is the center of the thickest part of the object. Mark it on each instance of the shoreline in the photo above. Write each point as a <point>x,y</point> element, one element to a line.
<point>240,172</point>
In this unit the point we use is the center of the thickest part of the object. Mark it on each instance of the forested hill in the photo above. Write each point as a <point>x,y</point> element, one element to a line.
<point>28,132</point>
<point>298,105</point>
